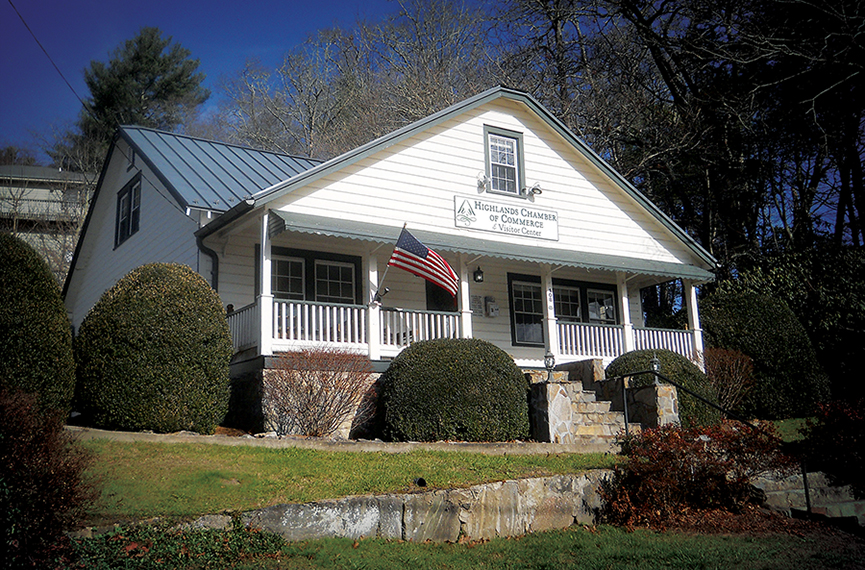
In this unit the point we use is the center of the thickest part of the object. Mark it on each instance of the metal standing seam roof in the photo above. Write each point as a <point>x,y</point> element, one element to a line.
<point>211,175</point>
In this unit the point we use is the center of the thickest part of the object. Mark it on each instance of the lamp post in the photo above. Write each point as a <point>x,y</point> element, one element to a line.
<point>655,363</point>
<point>549,364</point>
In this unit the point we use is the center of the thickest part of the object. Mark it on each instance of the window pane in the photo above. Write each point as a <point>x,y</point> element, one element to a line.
<point>602,308</point>
<point>567,304</point>
<point>334,282</point>
<point>287,278</point>
<point>503,164</point>
<point>528,313</point>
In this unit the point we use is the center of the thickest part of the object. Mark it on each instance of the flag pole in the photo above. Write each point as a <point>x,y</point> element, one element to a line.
<point>378,295</point>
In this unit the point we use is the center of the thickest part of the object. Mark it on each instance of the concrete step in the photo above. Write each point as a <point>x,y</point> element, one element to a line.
<point>787,495</point>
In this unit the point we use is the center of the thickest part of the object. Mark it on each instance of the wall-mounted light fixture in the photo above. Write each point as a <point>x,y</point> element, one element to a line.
<point>478,275</point>
<point>483,179</point>
<point>533,190</point>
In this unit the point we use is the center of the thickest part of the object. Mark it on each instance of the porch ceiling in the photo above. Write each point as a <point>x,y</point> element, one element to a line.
<point>470,244</point>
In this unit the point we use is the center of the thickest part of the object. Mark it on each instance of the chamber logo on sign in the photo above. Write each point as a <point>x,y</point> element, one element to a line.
<point>512,218</point>
<point>465,214</point>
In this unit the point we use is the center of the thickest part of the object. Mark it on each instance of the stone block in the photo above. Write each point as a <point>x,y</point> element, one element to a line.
<point>352,517</point>
<point>431,516</point>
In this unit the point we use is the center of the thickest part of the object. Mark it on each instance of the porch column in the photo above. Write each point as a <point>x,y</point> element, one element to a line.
<point>373,315</point>
<point>465,304</point>
<point>694,321</point>
<point>265,299</point>
<point>628,340</point>
<point>551,335</point>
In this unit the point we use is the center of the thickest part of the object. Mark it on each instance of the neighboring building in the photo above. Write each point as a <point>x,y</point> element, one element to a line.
<point>45,207</point>
<point>298,248</point>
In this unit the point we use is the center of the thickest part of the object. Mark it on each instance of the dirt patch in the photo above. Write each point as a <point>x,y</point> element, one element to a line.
<point>230,432</point>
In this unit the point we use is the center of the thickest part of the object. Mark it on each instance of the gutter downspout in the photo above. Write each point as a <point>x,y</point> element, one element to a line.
<point>211,228</point>
<point>214,262</point>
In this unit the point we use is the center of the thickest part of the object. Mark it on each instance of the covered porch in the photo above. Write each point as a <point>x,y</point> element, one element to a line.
<point>541,320</point>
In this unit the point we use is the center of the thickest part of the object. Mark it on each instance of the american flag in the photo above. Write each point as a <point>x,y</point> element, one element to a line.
<point>415,257</point>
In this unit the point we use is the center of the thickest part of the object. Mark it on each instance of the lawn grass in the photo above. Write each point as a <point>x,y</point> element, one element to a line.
<point>180,480</point>
<point>574,548</point>
<point>790,430</point>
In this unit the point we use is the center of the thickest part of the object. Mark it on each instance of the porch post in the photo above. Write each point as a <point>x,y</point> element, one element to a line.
<point>373,315</point>
<point>551,335</point>
<point>265,299</point>
<point>629,342</point>
<point>694,321</point>
<point>465,305</point>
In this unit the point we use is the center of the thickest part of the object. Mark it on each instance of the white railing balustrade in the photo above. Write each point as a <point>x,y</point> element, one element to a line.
<point>243,324</point>
<point>678,341</point>
<point>296,323</point>
<point>582,339</point>
<point>401,327</point>
<point>319,323</point>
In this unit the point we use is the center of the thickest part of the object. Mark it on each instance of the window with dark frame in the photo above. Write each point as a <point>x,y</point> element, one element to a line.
<point>573,301</point>
<point>304,275</point>
<point>128,211</point>
<point>334,282</point>
<point>287,278</point>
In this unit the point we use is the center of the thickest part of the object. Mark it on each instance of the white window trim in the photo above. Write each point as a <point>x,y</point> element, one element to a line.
<point>519,160</point>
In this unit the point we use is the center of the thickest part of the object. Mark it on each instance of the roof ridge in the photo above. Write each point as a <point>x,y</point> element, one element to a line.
<point>216,142</point>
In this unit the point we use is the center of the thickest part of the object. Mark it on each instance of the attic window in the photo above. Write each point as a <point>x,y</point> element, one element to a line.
<point>128,211</point>
<point>504,161</point>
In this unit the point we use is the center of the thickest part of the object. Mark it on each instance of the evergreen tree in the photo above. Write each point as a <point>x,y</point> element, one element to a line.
<point>149,81</point>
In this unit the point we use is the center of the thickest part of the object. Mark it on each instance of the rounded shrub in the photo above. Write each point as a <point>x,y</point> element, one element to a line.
<point>788,380</point>
<point>692,412</point>
<point>153,353</point>
<point>36,346</point>
<point>454,389</point>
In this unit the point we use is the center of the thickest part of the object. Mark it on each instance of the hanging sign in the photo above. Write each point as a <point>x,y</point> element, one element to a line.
<point>506,218</point>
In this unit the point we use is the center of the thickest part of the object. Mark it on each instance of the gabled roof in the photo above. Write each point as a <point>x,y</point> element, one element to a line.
<point>353,156</point>
<point>210,175</point>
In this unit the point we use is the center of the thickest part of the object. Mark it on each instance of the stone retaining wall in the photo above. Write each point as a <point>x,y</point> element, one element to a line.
<point>508,508</point>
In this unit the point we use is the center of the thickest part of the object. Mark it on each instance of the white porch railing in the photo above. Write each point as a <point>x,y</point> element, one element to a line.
<point>678,341</point>
<point>401,327</point>
<point>300,321</point>
<point>243,324</point>
<point>581,339</point>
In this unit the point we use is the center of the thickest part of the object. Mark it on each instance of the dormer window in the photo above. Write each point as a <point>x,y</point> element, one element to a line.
<point>504,157</point>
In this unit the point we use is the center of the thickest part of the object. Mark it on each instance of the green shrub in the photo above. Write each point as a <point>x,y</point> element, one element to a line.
<point>36,345</point>
<point>671,470</point>
<point>679,369</point>
<point>455,389</point>
<point>788,380</point>
<point>43,491</point>
<point>153,353</point>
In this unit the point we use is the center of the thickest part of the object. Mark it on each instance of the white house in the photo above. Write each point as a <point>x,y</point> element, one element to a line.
<point>550,244</point>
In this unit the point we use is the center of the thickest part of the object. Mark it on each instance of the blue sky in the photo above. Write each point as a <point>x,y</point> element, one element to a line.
<point>222,34</point>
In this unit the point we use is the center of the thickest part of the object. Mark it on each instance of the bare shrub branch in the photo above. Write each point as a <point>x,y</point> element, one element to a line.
<point>315,391</point>
<point>730,372</point>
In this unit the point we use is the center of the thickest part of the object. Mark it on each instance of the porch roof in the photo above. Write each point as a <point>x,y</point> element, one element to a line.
<point>475,245</point>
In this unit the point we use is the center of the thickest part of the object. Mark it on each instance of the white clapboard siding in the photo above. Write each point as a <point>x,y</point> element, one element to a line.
<point>414,181</point>
<point>165,234</point>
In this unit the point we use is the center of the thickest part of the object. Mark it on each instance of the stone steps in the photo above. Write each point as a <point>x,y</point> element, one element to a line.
<point>787,495</point>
